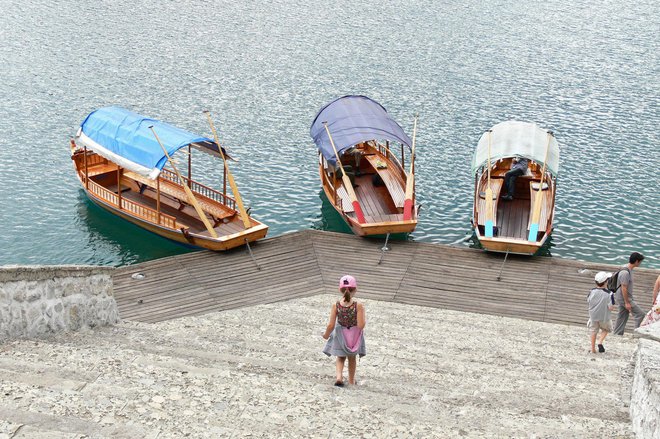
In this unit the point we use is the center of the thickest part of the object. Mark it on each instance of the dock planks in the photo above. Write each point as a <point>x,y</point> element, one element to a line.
<point>310,262</point>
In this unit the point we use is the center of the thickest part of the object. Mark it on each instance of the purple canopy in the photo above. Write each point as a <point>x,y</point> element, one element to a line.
<point>352,120</point>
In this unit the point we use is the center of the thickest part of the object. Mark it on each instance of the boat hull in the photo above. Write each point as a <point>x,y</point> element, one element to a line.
<point>512,219</point>
<point>229,228</point>
<point>372,197</point>
<point>519,247</point>
<point>370,229</point>
<point>221,244</point>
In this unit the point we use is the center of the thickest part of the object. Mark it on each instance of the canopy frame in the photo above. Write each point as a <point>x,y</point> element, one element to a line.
<point>354,119</point>
<point>517,139</point>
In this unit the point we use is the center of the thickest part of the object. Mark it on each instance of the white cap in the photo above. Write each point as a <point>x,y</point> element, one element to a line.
<point>602,276</point>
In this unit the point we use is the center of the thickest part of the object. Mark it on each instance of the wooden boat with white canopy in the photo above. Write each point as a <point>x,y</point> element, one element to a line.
<point>521,225</point>
<point>120,158</point>
<point>365,182</point>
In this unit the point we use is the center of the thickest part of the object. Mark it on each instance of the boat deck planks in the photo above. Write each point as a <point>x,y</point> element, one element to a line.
<point>310,262</point>
<point>513,218</point>
<point>374,203</point>
<point>395,187</point>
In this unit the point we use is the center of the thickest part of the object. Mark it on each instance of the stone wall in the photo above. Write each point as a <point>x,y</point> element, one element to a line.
<point>645,392</point>
<point>37,300</point>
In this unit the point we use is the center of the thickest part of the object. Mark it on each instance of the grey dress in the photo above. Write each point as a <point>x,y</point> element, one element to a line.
<point>346,339</point>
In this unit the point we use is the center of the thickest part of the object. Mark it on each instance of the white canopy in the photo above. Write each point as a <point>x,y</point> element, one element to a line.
<point>513,138</point>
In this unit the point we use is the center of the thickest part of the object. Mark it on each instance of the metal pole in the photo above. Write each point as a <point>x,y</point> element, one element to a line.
<point>158,198</point>
<point>86,170</point>
<point>119,187</point>
<point>499,276</point>
<point>247,244</point>
<point>189,167</point>
<point>384,249</point>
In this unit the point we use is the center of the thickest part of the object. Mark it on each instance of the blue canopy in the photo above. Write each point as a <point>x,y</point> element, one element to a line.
<point>352,120</point>
<point>124,137</point>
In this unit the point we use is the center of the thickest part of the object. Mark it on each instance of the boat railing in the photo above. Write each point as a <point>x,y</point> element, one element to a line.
<point>199,188</point>
<point>151,215</point>
<point>385,150</point>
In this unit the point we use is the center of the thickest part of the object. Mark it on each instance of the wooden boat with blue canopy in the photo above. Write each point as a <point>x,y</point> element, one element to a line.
<point>120,158</point>
<point>518,222</point>
<point>361,176</point>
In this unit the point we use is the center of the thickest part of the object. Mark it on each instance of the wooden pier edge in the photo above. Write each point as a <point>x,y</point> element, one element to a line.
<point>310,262</point>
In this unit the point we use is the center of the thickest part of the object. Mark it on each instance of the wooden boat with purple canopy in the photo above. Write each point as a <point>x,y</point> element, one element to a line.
<point>521,225</point>
<point>365,182</point>
<point>120,158</point>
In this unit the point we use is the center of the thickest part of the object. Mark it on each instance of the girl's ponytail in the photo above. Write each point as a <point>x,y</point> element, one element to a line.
<point>347,294</point>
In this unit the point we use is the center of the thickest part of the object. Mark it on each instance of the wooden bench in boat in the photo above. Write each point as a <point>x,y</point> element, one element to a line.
<point>100,169</point>
<point>500,172</point>
<point>496,186</point>
<point>546,204</point>
<point>395,188</point>
<point>179,193</point>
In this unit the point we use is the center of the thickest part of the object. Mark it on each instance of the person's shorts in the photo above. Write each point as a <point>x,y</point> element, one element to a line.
<point>594,326</point>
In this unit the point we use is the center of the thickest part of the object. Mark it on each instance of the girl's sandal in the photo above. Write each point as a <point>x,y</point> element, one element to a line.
<point>339,383</point>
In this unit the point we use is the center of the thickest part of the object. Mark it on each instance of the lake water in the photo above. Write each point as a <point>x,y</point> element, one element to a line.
<point>590,72</point>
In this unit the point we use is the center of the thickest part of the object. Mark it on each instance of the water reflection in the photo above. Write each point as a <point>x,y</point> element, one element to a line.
<point>109,234</point>
<point>329,219</point>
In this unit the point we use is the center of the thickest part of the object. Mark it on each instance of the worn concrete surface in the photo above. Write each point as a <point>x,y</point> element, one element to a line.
<point>259,372</point>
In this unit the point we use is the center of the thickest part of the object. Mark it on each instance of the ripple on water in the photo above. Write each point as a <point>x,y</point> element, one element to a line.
<point>589,74</point>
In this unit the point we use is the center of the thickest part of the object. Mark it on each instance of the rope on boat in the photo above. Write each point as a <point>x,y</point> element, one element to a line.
<point>499,276</point>
<point>384,249</point>
<point>247,244</point>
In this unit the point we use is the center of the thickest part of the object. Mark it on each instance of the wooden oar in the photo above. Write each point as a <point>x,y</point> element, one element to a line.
<point>489,197</point>
<point>191,197</point>
<point>234,189</point>
<point>536,214</point>
<point>347,181</point>
<point>410,181</point>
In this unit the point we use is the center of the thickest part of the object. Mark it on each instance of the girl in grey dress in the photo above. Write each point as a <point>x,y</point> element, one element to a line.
<point>345,330</point>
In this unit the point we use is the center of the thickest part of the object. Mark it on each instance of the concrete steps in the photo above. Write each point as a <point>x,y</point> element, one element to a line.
<point>259,372</point>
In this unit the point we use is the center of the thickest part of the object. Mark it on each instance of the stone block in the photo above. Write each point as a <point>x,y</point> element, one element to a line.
<point>36,300</point>
<point>645,394</point>
<point>33,313</point>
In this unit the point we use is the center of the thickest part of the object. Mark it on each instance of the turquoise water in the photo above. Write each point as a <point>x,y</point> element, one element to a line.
<point>263,69</point>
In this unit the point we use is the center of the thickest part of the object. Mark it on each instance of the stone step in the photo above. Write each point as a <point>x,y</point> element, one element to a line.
<point>253,371</point>
<point>31,424</point>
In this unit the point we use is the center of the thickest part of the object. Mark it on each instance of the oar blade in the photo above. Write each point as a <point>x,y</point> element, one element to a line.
<point>533,232</point>
<point>490,227</point>
<point>239,201</point>
<point>358,212</point>
<point>536,217</point>
<point>407,209</point>
<point>354,201</point>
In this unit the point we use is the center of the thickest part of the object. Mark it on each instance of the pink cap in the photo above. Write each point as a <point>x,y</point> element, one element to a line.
<point>347,281</point>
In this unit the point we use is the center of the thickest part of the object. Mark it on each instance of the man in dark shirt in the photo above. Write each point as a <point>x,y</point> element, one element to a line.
<point>519,168</point>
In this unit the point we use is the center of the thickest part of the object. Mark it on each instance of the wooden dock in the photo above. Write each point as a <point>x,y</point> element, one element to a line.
<point>310,262</point>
